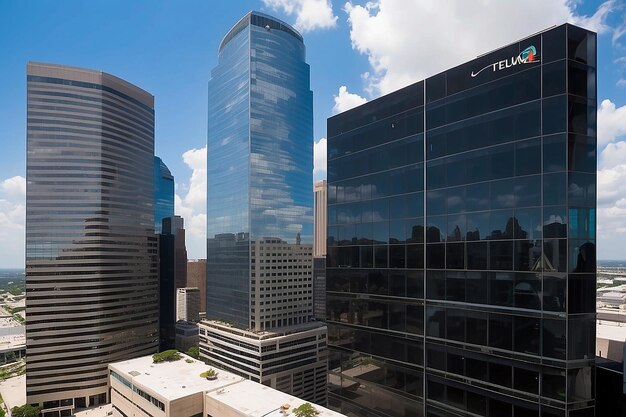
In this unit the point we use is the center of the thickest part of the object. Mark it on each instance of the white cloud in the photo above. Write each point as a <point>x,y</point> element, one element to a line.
<point>319,160</point>
<point>12,221</point>
<point>611,122</point>
<point>310,14</point>
<point>190,203</point>
<point>408,40</point>
<point>346,100</point>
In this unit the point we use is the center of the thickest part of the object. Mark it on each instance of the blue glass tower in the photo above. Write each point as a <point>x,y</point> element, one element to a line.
<point>163,193</point>
<point>260,157</point>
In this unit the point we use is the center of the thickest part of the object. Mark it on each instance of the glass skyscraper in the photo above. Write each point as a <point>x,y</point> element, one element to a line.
<point>260,167</point>
<point>91,254</point>
<point>163,194</point>
<point>461,239</point>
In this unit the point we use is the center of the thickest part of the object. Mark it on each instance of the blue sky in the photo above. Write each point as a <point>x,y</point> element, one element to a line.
<point>169,48</point>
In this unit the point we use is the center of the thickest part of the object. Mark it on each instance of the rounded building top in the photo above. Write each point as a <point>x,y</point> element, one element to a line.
<point>262,20</point>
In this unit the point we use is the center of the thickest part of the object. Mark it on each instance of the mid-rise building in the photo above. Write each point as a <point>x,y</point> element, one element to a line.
<point>91,253</point>
<point>319,288</point>
<point>163,194</point>
<point>292,359</point>
<point>187,335</point>
<point>320,203</point>
<point>188,304</point>
<point>461,266</point>
<point>140,387</point>
<point>172,275</point>
<point>196,277</point>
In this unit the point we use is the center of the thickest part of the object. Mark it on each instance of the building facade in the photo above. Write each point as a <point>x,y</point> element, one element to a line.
<point>292,360</point>
<point>196,277</point>
<point>172,275</point>
<point>461,239</point>
<point>260,163</point>
<point>163,194</point>
<point>320,203</point>
<point>188,304</point>
<point>91,262</point>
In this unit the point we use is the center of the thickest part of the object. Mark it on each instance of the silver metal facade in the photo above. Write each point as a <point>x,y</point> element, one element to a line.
<point>91,254</point>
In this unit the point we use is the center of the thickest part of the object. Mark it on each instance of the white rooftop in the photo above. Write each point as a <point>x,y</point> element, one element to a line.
<point>611,330</point>
<point>256,400</point>
<point>172,380</point>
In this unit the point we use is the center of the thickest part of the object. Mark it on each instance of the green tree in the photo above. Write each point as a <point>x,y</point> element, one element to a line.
<point>305,410</point>
<point>11,357</point>
<point>194,352</point>
<point>26,410</point>
<point>166,356</point>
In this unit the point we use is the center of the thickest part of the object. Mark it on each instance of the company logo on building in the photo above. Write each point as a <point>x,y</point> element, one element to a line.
<point>527,56</point>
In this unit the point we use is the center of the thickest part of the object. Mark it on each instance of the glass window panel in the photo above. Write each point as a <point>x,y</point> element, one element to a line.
<point>582,116</point>
<point>415,205</point>
<point>415,256</point>
<point>380,209</point>
<point>582,338</point>
<point>377,283</point>
<point>397,233</point>
<point>436,322</point>
<point>527,255</point>
<point>582,189</point>
<point>527,335</point>
<point>478,166</point>
<point>582,256</point>
<point>528,157</point>
<point>455,256</point>
<point>554,114</point>
<point>477,255</point>
<point>476,368</point>
<point>530,224</point>
<point>553,43</point>
<point>436,357</point>
<point>415,230</point>
<point>554,292</point>
<point>528,191</point>
<point>555,255</point>
<point>554,222</point>
<point>415,284</point>
<point>477,197</point>
<point>457,226</point>
<point>526,380</point>
<point>476,323</point>
<point>367,256</point>
<point>581,294</point>
<point>502,161</point>
<point>554,338</point>
<point>581,79</point>
<point>554,78</point>
<point>456,167</point>
<point>500,374</point>
<point>456,200</point>
<point>397,207</point>
<point>415,319</point>
<point>380,256</point>
<point>478,226</point>
<point>381,232</point>
<point>455,364</point>
<point>436,286</point>
<point>554,153</point>
<point>501,289</point>
<point>553,384</point>
<point>364,234</point>
<point>397,256</point>
<point>527,291</point>
<point>397,284</point>
<point>501,224</point>
<point>500,335</point>
<point>503,194</point>
<point>580,385</point>
<point>476,403</point>
<point>582,153</point>
<point>554,189</point>
<point>435,255</point>
<point>436,174</point>
<point>581,45</point>
<point>455,286</point>
<point>455,324</point>
<point>477,287</point>
<point>436,229</point>
<point>501,255</point>
<point>436,202</point>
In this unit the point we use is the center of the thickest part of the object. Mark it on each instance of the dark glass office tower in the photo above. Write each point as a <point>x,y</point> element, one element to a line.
<point>461,239</point>
<point>259,170</point>
<point>91,252</point>
<point>163,193</point>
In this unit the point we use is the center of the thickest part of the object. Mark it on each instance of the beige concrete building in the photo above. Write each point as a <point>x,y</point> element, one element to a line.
<point>320,202</point>
<point>188,304</point>
<point>91,266</point>
<point>140,387</point>
<point>290,359</point>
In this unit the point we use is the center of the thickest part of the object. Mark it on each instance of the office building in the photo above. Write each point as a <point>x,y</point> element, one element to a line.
<point>140,387</point>
<point>319,288</point>
<point>259,173</point>
<point>289,359</point>
<point>91,261</point>
<point>320,202</point>
<point>163,194</point>
<point>187,335</point>
<point>188,304</point>
<point>196,277</point>
<point>172,275</point>
<point>461,239</point>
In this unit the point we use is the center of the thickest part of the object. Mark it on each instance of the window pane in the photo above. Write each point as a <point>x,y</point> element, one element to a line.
<point>554,153</point>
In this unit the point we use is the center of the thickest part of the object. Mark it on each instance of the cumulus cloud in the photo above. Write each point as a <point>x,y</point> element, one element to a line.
<point>319,160</point>
<point>12,221</point>
<point>385,31</point>
<point>190,203</point>
<point>310,14</point>
<point>611,122</point>
<point>346,100</point>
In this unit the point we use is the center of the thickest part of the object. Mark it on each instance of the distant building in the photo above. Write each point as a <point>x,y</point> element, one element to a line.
<point>319,288</point>
<point>292,359</point>
<point>188,304</point>
<point>172,275</point>
<point>186,335</point>
<point>163,194</point>
<point>91,253</point>
<point>196,277</point>
<point>140,387</point>
<point>320,201</point>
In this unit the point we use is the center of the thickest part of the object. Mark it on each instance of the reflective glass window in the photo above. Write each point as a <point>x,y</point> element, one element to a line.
<point>554,112</point>
<point>554,78</point>
<point>554,338</point>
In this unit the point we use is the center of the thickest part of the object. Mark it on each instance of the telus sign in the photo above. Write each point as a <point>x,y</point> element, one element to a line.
<point>527,56</point>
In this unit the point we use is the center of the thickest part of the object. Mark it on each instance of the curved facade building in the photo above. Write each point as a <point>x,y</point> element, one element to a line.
<point>91,254</point>
<point>260,171</point>
<point>163,194</point>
